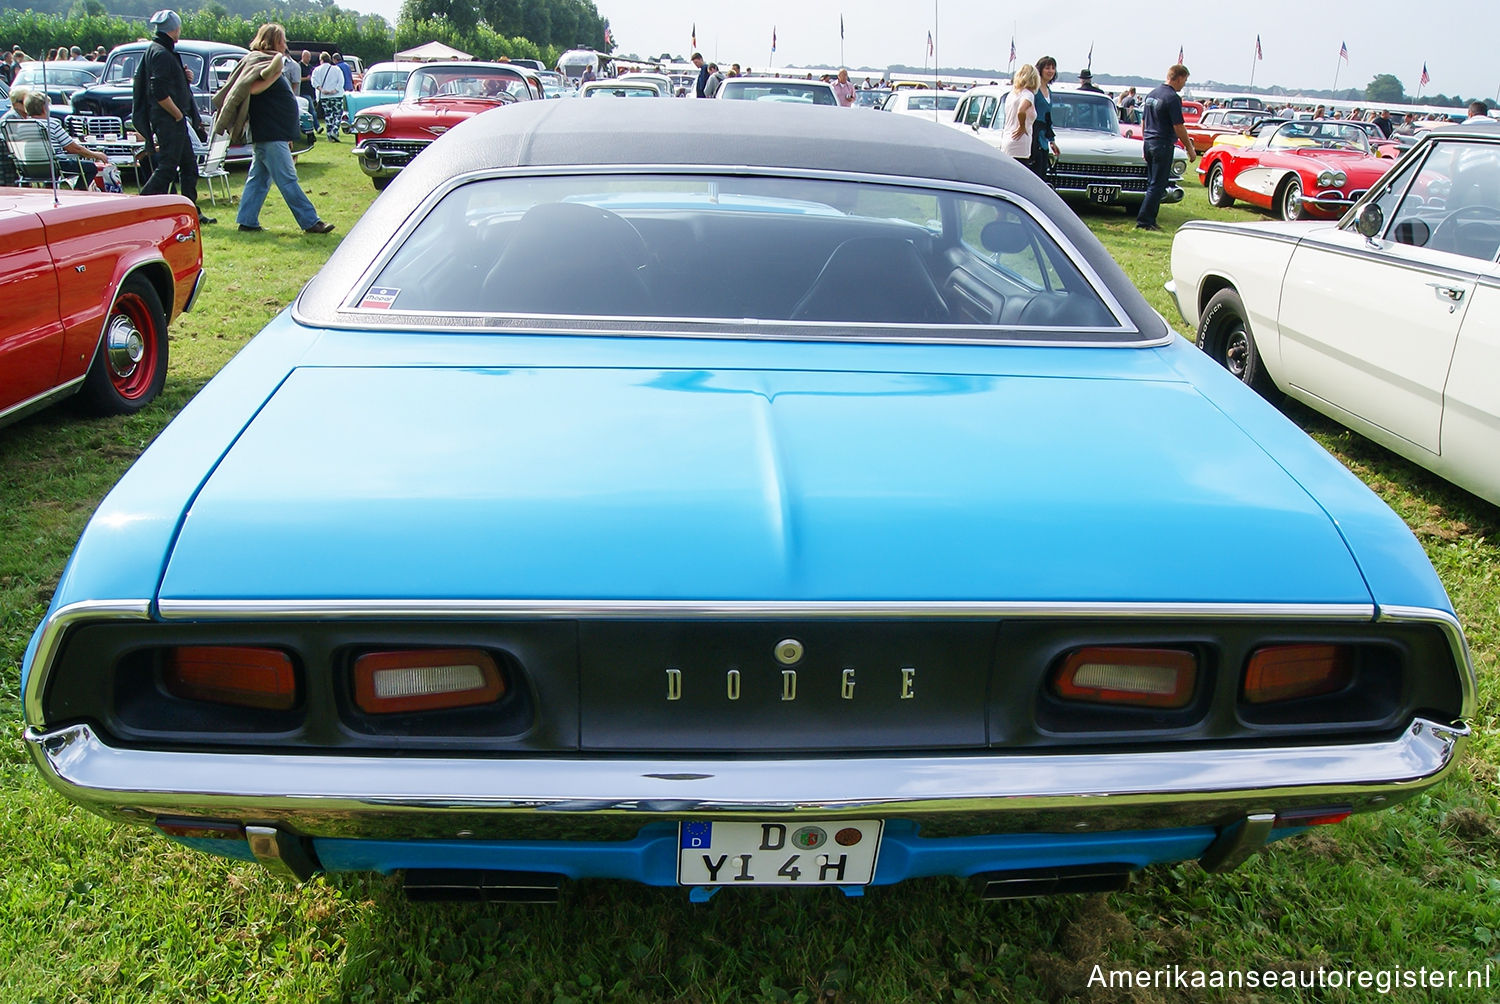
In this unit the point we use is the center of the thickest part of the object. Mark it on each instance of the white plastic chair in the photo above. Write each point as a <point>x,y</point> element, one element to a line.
<point>212,168</point>
<point>31,150</point>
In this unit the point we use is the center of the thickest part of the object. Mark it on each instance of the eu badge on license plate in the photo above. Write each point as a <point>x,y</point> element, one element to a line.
<point>1104,194</point>
<point>764,853</point>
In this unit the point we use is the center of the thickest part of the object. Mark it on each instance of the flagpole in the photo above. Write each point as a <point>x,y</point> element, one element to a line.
<point>934,50</point>
<point>1336,73</point>
<point>1255,56</point>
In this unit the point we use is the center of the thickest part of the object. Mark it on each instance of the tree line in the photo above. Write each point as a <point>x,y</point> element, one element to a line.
<point>529,29</point>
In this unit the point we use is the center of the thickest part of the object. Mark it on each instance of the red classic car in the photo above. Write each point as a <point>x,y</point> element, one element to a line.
<point>1218,122</point>
<point>1192,111</point>
<point>438,97</point>
<point>89,282</point>
<point>1300,169</point>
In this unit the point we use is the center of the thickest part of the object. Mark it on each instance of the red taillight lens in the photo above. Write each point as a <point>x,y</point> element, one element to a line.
<point>1326,816</point>
<point>425,680</point>
<point>1136,677</point>
<point>1287,672</point>
<point>222,674</point>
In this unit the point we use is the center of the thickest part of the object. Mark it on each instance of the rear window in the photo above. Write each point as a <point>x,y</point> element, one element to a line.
<point>778,90</point>
<point>737,249</point>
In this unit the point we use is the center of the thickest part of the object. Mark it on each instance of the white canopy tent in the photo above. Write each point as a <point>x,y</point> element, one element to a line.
<point>431,52</point>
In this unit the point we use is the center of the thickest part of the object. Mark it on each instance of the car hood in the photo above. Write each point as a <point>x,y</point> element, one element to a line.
<point>1094,145</point>
<point>1355,166</point>
<point>433,113</point>
<point>557,482</point>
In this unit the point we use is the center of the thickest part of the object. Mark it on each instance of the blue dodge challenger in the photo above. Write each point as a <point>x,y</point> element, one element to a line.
<point>720,494</point>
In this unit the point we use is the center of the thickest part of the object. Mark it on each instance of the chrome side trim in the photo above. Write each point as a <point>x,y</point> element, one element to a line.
<point>402,795</point>
<point>16,412</point>
<point>197,288</point>
<point>291,609</point>
<point>1468,679</point>
<point>1383,257</point>
<point>1244,229</point>
<point>53,629</point>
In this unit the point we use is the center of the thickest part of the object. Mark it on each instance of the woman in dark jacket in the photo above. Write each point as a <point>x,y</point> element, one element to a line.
<point>1043,139</point>
<point>274,126</point>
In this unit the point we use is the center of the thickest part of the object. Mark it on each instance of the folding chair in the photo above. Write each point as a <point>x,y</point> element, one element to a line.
<point>211,166</point>
<point>31,150</point>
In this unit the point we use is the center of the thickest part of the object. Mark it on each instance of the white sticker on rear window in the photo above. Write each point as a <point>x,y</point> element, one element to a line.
<point>380,297</point>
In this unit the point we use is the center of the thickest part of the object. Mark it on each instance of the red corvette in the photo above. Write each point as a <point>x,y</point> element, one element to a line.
<point>1301,169</point>
<point>438,97</point>
<point>89,282</point>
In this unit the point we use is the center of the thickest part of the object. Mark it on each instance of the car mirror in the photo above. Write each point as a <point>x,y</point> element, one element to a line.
<point>1370,222</point>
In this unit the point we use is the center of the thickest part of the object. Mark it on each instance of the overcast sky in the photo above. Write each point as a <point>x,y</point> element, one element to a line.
<point>1383,36</point>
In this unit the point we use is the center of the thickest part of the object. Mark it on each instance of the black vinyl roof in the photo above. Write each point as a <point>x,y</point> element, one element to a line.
<point>671,133</point>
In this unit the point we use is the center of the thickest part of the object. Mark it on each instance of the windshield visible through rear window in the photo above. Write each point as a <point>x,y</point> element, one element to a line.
<point>737,249</point>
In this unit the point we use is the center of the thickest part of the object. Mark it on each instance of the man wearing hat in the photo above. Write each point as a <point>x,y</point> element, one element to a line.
<point>163,111</point>
<point>1086,81</point>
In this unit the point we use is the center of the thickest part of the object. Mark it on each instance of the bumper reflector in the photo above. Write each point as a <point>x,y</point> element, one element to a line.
<point>1314,817</point>
<point>1139,677</point>
<point>1287,672</point>
<point>425,680</point>
<point>223,674</point>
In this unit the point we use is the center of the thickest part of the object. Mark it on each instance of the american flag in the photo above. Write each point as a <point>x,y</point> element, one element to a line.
<point>929,44</point>
<point>609,38</point>
<point>695,34</point>
<point>773,38</point>
<point>1343,52</point>
<point>1257,48</point>
<point>841,26</point>
<point>1179,54</point>
<point>1425,78</point>
<point>1012,50</point>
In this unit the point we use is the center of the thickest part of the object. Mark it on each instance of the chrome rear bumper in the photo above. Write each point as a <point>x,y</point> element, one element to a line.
<point>418,796</point>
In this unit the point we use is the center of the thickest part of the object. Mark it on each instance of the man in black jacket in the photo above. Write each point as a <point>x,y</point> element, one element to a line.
<point>163,111</point>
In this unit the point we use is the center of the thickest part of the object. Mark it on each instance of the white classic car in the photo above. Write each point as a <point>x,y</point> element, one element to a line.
<point>1094,160</point>
<point>1388,320</point>
<point>936,106</point>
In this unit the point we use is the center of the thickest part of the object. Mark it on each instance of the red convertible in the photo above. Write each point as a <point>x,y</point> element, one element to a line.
<point>89,282</point>
<point>1300,169</point>
<point>438,97</point>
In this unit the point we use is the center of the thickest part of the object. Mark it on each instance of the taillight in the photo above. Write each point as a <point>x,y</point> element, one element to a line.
<point>1325,816</point>
<point>1135,677</point>
<point>1288,672</point>
<point>425,680</point>
<point>224,674</point>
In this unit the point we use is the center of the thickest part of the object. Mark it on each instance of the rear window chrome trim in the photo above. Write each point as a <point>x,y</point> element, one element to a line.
<point>721,327</point>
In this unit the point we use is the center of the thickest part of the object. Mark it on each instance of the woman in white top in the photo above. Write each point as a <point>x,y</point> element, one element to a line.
<point>1020,113</point>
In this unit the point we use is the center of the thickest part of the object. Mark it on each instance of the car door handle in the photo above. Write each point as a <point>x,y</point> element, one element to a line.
<point>1451,295</point>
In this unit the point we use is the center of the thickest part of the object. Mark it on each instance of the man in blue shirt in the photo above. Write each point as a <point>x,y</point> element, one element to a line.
<point>1162,126</point>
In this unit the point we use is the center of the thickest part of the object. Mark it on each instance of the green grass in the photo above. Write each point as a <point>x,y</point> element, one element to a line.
<point>94,912</point>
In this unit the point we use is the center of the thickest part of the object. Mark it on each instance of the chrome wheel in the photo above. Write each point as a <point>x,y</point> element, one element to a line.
<point>1291,200</point>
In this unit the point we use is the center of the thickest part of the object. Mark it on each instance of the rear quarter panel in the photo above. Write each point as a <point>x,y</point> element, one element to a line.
<point>98,241</point>
<point>1208,257</point>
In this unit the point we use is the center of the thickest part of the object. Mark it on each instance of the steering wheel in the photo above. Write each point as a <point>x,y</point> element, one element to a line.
<point>1442,230</point>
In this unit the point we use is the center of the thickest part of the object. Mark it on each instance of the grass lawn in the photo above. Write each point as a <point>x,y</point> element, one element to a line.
<point>94,912</point>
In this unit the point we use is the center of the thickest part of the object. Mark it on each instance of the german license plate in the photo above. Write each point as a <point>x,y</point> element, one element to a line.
<point>1104,194</point>
<point>798,853</point>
